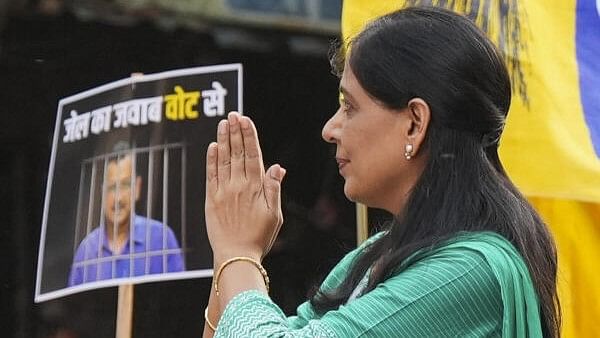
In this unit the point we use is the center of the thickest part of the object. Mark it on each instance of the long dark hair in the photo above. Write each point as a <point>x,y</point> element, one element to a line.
<point>443,58</point>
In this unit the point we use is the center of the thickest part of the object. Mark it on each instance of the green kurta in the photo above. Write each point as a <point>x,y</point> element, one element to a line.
<point>475,285</point>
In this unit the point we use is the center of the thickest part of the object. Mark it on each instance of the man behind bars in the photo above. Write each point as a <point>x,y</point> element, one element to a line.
<point>109,251</point>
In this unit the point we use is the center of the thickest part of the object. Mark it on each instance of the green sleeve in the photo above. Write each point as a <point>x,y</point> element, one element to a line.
<point>450,293</point>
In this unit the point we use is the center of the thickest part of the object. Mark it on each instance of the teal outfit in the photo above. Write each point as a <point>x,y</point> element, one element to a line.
<point>475,285</point>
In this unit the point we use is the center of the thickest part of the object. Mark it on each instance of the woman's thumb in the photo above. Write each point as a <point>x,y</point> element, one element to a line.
<point>273,179</point>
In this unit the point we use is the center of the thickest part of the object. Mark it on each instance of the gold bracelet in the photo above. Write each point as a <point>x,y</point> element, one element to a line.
<point>212,327</point>
<point>260,268</point>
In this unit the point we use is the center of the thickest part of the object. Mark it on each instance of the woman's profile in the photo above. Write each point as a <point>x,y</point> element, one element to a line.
<point>423,100</point>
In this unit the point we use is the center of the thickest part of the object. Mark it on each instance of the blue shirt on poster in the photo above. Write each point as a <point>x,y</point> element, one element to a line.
<point>155,250</point>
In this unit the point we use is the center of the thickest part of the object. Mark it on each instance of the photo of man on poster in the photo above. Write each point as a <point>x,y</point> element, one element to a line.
<point>124,244</point>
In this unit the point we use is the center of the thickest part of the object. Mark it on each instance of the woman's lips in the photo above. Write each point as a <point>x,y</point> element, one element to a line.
<point>341,162</point>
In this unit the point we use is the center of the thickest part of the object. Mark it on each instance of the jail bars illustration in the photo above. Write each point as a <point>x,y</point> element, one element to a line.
<point>130,214</point>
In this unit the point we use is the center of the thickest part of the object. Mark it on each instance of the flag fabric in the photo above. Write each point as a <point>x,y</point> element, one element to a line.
<point>551,143</point>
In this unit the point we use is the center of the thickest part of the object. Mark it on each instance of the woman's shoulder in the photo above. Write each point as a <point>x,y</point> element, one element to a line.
<point>454,277</point>
<point>479,256</point>
<point>468,248</point>
<point>487,251</point>
<point>474,257</point>
<point>482,264</point>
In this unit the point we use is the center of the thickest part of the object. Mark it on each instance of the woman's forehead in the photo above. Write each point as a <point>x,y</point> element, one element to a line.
<point>349,87</point>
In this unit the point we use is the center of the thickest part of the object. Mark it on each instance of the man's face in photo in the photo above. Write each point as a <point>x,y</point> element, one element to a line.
<point>118,193</point>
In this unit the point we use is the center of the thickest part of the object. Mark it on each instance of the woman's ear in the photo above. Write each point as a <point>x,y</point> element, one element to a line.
<point>419,116</point>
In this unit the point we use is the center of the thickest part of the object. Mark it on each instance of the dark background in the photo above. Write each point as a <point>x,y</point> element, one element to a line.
<point>289,94</point>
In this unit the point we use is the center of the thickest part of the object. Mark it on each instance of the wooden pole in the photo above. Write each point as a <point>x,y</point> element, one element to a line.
<point>125,300</point>
<point>362,223</point>
<point>125,311</point>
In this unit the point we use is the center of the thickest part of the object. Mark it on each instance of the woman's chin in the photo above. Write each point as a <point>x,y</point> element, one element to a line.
<point>357,196</point>
<point>350,193</point>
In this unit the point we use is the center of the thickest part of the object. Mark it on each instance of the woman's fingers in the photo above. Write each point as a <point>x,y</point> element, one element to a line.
<point>223,155</point>
<point>253,162</point>
<point>272,184</point>
<point>236,147</point>
<point>212,182</point>
<point>273,179</point>
<point>243,204</point>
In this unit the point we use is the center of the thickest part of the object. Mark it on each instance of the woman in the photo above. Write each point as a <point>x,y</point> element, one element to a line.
<point>424,98</point>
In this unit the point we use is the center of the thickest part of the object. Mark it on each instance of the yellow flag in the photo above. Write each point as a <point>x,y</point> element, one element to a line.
<point>551,143</point>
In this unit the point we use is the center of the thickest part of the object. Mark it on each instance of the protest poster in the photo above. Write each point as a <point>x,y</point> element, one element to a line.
<point>125,191</point>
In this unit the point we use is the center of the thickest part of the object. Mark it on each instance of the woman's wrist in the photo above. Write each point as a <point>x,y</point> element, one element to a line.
<point>222,256</point>
<point>236,277</point>
<point>240,259</point>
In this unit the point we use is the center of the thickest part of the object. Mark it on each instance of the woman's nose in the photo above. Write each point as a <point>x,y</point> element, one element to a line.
<point>330,132</point>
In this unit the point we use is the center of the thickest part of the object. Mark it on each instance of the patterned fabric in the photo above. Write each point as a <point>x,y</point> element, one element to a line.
<point>476,285</point>
<point>252,314</point>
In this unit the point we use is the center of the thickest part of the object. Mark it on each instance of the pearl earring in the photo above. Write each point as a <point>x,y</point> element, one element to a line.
<point>408,151</point>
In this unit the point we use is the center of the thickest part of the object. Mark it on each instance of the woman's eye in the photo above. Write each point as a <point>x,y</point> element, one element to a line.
<point>346,106</point>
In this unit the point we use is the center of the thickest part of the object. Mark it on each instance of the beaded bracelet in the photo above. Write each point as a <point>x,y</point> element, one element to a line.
<point>260,268</point>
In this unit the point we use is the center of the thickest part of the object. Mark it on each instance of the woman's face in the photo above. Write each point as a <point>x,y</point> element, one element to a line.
<point>370,140</point>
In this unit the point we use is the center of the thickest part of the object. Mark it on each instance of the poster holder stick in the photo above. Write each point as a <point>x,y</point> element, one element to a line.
<point>125,298</point>
<point>124,311</point>
<point>362,223</point>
